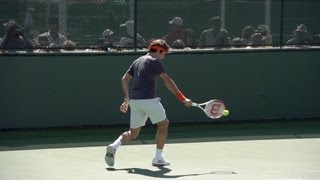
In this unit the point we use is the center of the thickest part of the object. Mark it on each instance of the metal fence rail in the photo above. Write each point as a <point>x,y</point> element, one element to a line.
<point>104,24</point>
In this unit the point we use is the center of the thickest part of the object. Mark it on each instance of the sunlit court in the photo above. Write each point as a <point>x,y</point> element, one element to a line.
<point>213,151</point>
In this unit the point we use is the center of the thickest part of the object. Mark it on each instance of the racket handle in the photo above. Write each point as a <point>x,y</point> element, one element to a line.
<point>194,104</point>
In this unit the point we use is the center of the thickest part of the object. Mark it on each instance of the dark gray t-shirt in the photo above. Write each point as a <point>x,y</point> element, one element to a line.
<point>145,71</point>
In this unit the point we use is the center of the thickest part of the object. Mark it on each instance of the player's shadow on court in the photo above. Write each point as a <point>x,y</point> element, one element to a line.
<point>162,172</point>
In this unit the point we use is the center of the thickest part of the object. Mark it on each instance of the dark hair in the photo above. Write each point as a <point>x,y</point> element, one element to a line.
<point>158,45</point>
<point>247,32</point>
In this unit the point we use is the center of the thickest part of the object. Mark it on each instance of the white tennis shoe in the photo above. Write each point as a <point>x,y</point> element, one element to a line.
<point>109,158</point>
<point>160,162</point>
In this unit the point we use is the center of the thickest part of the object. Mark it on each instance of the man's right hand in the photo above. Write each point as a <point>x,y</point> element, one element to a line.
<point>124,106</point>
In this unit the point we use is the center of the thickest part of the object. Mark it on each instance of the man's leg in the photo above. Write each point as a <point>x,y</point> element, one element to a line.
<point>122,139</point>
<point>161,139</point>
<point>127,136</point>
<point>162,133</point>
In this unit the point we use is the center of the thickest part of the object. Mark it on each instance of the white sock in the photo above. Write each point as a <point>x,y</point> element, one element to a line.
<point>159,153</point>
<point>116,144</point>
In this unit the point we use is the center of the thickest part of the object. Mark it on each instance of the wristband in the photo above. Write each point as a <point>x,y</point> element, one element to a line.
<point>180,96</point>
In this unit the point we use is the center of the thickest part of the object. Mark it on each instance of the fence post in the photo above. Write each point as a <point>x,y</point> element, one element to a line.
<point>63,16</point>
<point>135,25</point>
<point>267,13</point>
<point>223,12</point>
<point>281,23</point>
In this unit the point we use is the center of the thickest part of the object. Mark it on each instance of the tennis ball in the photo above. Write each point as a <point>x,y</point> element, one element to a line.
<point>225,112</point>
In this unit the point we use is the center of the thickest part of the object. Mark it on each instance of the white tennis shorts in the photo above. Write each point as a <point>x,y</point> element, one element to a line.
<point>141,109</point>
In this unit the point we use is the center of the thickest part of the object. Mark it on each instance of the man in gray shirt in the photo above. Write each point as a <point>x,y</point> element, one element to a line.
<point>216,36</point>
<point>144,102</point>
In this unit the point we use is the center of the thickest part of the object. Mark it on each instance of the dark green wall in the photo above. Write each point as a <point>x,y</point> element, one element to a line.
<point>53,91</point>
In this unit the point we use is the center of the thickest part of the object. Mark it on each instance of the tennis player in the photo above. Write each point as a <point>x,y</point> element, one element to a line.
<point>144,102</point>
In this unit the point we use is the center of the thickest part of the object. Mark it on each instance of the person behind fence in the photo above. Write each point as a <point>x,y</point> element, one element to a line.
<point>15,37</point>
<point>107,39</point>
<point>128,39</point>
<point>264,30</point>
<point>178,44</point>
<point>177,32</point>
<point>236,42</point>
<point>54,38</point>
<point>316,40</point>
<point>246,34</point>
<point>216,36</point>
<point>256,40</point>
<point>300,36</point>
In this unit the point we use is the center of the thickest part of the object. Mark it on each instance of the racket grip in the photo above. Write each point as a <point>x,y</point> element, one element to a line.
<point>194,104</point>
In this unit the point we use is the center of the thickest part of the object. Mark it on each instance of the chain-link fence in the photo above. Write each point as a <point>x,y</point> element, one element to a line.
<point>103,24</point>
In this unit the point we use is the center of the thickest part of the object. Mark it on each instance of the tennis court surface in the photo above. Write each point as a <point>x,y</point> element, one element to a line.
<point>224,151</point>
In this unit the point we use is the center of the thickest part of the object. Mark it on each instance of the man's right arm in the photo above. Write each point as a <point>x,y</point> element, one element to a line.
<point>125,87</point>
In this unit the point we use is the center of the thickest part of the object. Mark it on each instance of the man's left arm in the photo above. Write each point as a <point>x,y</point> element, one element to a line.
<point>173,88</point>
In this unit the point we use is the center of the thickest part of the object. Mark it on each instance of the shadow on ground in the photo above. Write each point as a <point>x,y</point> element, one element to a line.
<point>163,172</point>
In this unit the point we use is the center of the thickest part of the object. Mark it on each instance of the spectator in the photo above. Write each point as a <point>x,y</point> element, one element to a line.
<point>316,40</point>
<point>69,45</point>
<point>237,42</point>
<point>300,36</point>
<point>15,37</point>
<point>246,34</point>
<point>54,38</point>
<point>256,40</point>
<point>178,44</point>
<point>177,32</point>
<point>265,33</point>
<point>42,42</point>
<point>216,36</point>
<point>128,39</point>
<point>107,39</point>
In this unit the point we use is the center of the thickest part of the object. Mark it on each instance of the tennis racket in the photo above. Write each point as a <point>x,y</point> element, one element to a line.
<point>213,109</point>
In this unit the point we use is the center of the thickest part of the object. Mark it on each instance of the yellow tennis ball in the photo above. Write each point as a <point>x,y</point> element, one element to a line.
<point>225,112</point>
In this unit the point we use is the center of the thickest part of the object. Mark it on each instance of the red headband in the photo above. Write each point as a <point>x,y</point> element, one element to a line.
<point>158,47</point>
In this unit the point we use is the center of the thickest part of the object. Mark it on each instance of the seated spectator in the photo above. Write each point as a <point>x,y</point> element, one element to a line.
<point>316,40</point>
<point>216,36</point>
<point>300,36</point>
<point>266,35</point>
<point>237,42</point>
<point>53,36</point>
<point>107,39</point>
<point>178,44</point>
<point>128,39</point>
<point>69,45</point>
<point>15,37</point>
<point>256,40</point>
<point>177,32</point>
<point>43,42</point>
<point>246,34</point>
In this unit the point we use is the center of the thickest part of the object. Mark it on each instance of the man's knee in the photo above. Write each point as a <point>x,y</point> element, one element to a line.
<point>130,135</point>
<point>134,134</point>
<point>163,124</point>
